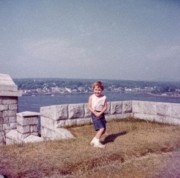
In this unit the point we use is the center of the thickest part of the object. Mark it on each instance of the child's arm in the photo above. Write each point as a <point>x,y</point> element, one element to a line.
<point>90,105</point>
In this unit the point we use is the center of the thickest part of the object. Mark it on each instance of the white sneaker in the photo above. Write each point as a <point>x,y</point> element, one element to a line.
<point>93,141</point>
<point>99,145</point>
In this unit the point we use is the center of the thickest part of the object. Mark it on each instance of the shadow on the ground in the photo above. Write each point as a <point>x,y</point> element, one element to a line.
<point>112,137</point>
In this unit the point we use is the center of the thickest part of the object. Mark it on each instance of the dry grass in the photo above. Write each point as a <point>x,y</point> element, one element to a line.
<point>134,148</point>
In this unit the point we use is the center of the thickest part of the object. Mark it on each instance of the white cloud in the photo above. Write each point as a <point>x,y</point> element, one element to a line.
<point>53,49</point>
<point>165,52</point>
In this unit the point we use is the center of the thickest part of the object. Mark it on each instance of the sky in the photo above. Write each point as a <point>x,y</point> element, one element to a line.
<point>90,39</point>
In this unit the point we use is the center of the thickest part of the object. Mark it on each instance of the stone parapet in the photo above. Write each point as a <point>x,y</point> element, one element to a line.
<point>27,124</point>
<point>58,116</point>
<point>157,111</point>
<point>53,117</point>
<point>27,128</point>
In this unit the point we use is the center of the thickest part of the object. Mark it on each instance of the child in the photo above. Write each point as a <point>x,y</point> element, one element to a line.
<point>97,105</point>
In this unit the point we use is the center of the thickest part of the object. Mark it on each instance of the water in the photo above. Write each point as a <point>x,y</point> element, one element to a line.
<point>46,92</point>
<point>33,103</point>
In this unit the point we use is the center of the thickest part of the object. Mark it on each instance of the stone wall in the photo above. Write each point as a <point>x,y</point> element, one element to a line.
<point>27,129</point>
<point>57,116</point>
<point>168,113</point>
<point>8,105</point>
<point>8,110</point>
<point>66,115</point>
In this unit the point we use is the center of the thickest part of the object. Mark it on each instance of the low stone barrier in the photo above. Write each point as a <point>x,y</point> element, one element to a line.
<point>58,116</point>
<point>168,113</point>
<point>54,118</point>
<point>27,129</point>
<point>27,124</point>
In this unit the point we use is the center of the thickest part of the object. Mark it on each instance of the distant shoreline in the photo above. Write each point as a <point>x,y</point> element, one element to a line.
<point>165,96</point>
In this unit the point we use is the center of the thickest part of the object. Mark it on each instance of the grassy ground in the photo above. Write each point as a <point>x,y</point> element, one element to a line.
<point>134,149</point>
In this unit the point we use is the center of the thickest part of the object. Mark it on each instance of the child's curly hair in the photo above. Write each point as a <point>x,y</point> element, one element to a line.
<point>99,84</point>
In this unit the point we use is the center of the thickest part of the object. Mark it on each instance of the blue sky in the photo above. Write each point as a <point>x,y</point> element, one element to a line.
<point>91,39</point>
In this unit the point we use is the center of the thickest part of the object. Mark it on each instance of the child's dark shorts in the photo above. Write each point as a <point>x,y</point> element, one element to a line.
<point>98,123</point>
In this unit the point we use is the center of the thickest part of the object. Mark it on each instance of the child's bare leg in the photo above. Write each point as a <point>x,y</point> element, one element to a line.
<point>100,133</point>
